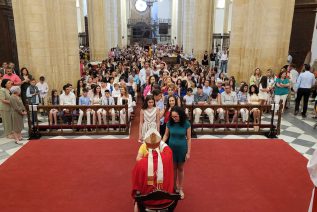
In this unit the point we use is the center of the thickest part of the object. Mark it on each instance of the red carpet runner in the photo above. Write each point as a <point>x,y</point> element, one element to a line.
<point>90,175</point>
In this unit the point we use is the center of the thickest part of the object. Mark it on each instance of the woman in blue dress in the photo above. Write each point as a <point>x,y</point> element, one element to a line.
<point>178,130</point>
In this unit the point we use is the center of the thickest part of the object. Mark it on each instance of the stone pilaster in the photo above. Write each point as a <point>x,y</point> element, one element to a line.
<point>47,39</point>
<point>260,35</point>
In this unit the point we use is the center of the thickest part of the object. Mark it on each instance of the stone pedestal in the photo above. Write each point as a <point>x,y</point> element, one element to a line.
<point>260,36</point>
<point>47,39</point>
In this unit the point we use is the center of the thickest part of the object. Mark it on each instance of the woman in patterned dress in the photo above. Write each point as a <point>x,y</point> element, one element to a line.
<point>149,117</point>
<point>17,113</point>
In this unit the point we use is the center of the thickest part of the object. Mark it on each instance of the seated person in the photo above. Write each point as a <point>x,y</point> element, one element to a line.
<point>229,98</point>
<point>116,91</point>
<point>108,100</point>
<point>67,98</point>
<point>200,98</point>
<point>154,168</point>
<point>85,101</point>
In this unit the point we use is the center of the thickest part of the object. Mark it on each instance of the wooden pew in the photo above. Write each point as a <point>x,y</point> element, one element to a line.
<point>236,128</point>
<point>45,129</point>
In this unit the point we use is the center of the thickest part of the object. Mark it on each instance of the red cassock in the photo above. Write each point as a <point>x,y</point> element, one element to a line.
<point>140,178</point>
<point>315,201</point>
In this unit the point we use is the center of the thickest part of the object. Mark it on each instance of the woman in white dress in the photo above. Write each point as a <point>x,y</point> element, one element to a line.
<point>125,98</point>
<point>96,100</point>
<point>149,117</point>
<point>253,99</point>
<point>263,90</point>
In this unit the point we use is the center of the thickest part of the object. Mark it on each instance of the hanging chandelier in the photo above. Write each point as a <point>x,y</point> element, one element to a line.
<point>150,3</point>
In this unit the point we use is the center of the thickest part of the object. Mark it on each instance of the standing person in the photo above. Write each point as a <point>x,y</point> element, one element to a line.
<point>263,90</point>
<point>256,77</point>
<point>149,117</point>
<point>204,62</point>
<point>43,88</point>
<point>281,88</point>
<point>15,79</point>
<point>5,107</point>
<point>159,103</point>
<point>33,95</point>
<point>224,61</point>
<point>25,78</point>
<point>17,113</point>
<point>213,56</point>
<point>178,129</point>
<point>305,82</point>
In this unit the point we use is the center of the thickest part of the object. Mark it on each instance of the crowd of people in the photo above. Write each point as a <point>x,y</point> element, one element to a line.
<point>136,76</point>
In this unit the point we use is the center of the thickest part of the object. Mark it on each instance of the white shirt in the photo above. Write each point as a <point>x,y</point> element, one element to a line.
<point>69,99</point>
<point>306,80</point>
<point>116,93</point>
<point>189,99</point>
<point>43,88</point>
<point>224,57</point>
<point>293,75</point>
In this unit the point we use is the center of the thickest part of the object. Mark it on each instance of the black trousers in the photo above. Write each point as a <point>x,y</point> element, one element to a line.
<point>300,93</point>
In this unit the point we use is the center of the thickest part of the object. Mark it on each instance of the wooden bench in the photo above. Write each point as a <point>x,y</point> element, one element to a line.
<point>44,128</point>
<point>237,127</point>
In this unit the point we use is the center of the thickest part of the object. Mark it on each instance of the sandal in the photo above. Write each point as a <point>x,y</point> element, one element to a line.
<point>181,193</point>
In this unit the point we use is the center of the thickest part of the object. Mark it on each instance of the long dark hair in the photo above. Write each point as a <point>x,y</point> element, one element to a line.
<point>95,91</point>
<point>168,102</point>
<point>215,92</point>
<point>148,98</point>
<point>52,95</point>
<point>256,89</point>
<point>181,113</point>
<point>263,81</point>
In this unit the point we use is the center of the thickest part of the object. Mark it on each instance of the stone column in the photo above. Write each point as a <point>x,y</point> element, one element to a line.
<point>124,26</point>
<point>47,39</point>
<point>98,33</point>
<point>260,36</point>
<point>179,36</point>
<point>197,26</point>
<point>175,22</point>
<point>105,27</point>
<point>226,16</point>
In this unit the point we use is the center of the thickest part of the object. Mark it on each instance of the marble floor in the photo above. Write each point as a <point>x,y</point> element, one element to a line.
<point>298,132</point>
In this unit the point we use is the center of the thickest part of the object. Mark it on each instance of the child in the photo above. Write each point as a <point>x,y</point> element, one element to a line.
<point>188,99</point>
<point>149,117</point>
<point>84,100</point>
<point>17,113</point>
<point>108,100</point>
<point>116,91</point>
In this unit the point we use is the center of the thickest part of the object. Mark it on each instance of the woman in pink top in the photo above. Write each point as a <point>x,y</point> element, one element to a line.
<point>148,88</point>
